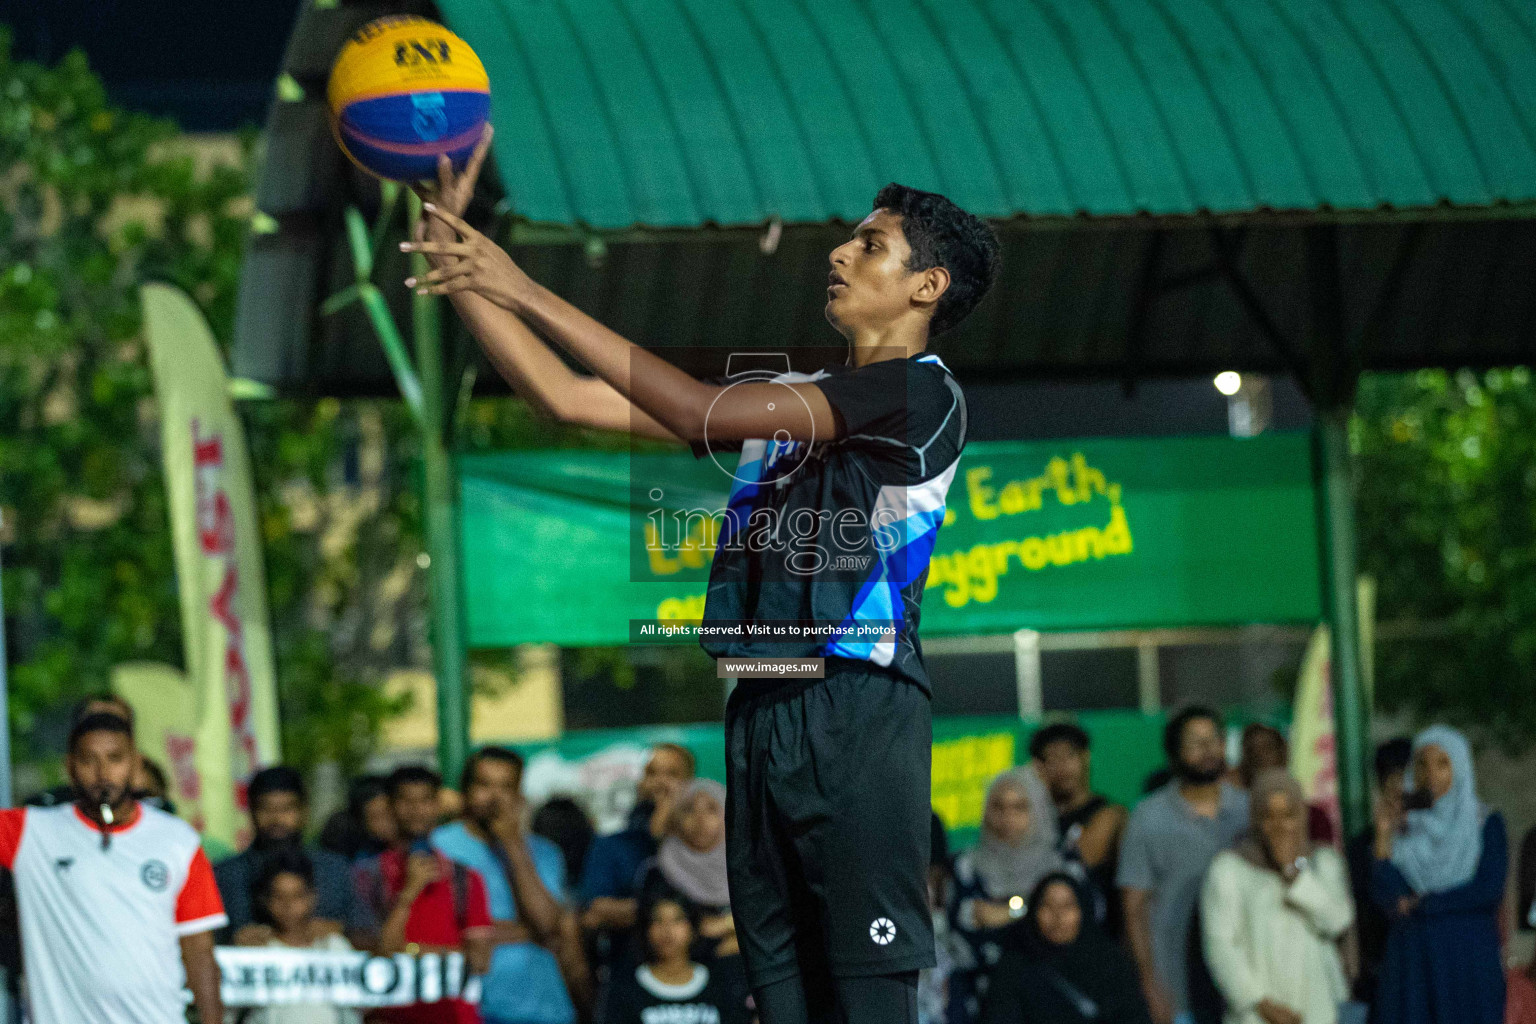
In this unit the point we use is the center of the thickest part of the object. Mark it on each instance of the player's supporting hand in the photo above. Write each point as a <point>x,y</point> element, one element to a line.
<point>452,192</point>
<point>479,265</point>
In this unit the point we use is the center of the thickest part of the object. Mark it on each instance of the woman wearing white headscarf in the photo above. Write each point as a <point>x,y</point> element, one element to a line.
<point>690,863</point>
<point>1272,912</point>
<point>1439,877</point>
<point>992,881</point>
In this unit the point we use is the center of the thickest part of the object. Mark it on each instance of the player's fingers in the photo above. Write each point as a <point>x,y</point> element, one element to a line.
<point>477,158</point>
<point>452,221</point>
<point>441,274</point>
<point>444,173</point>
<point>458,284</point>
<point>439,248</point>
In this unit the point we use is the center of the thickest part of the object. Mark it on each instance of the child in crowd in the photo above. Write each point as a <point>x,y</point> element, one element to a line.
<point>284,898</point>
<point>669,986</point>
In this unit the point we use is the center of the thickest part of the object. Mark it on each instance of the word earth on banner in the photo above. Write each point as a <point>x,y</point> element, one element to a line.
<point>271,976</point>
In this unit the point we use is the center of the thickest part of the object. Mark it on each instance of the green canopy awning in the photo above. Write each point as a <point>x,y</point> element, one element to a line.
<point>679,113</point>
<point>1173,179</point>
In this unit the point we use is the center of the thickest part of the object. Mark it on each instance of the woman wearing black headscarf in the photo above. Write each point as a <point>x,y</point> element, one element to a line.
<point>1062,970</point>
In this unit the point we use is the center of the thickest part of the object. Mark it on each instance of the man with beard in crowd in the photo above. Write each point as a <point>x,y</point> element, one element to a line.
<point>279,814</point>
<point>118,903</point>
<point>610,878</point>
<point>1171,839</point>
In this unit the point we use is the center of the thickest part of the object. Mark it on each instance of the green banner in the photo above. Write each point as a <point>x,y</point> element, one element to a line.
<point>599,767</point>
<point>568,547</point>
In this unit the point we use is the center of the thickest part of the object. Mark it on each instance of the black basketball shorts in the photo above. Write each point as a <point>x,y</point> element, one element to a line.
<point>828,831</point>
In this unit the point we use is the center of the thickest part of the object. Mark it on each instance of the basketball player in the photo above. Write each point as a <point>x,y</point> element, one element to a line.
<point>118,902</point>
<point>830,523</point>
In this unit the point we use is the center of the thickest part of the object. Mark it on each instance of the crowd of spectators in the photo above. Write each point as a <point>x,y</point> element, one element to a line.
<point>1222,897</point>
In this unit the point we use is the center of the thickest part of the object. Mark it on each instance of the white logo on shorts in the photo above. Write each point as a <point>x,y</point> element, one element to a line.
<point>882,930</point>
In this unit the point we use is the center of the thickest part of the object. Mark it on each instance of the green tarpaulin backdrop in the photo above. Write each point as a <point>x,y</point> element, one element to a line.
<point>569,547</point>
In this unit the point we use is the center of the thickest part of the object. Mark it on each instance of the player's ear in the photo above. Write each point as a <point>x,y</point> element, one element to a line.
<point>933,283</point>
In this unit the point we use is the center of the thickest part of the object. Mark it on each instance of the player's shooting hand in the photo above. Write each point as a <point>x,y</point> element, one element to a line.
<point>478,265</point>
<point>452,192</point>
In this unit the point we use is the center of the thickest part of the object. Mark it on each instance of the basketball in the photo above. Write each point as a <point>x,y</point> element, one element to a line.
<point>403,91</point>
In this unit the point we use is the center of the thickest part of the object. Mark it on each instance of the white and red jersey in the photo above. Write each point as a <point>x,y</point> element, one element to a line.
<point>100,928</point>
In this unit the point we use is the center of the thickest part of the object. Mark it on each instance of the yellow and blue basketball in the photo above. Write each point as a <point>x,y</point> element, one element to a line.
<point>403,91</point>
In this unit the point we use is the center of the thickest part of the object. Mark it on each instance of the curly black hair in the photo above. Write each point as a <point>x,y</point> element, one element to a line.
<point>941,234</point>
<point>1058,732</point>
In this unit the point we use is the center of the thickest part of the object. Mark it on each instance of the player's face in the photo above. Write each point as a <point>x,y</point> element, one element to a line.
<point>669,932</point>
<point>1007,815</point>
<point>102,766</point>
<point>493,791</point>
<point>416,810</point>
<point>1059,916</point>
<point>665,773</point>
<point>1432,771</point>
<point>1202,758</point>
<point>869,284</point>
<point>1064,769</point>
<point>278,817</point>
<point>290,901</point>
<point>702,824</point>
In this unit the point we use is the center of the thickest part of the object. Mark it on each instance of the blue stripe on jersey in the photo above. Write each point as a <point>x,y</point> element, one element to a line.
<point>908,561</point>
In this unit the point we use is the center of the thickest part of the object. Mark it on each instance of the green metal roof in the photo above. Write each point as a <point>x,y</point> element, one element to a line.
<point>678,113</point>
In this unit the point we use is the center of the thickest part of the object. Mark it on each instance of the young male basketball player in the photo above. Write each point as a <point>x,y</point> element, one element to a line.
<point>835,504</point>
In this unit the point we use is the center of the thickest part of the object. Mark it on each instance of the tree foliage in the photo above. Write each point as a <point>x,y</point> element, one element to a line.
<point>93,202</point>
<point>1447,510</point>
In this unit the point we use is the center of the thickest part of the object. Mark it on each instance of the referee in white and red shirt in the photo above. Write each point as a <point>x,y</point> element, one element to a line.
<point>118,903</point>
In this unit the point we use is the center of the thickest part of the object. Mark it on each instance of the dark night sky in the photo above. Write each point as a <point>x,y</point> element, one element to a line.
<point>208,63</point>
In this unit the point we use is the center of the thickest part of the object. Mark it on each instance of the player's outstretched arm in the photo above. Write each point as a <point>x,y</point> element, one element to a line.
<point>520,356</point>
<point>687,408</point>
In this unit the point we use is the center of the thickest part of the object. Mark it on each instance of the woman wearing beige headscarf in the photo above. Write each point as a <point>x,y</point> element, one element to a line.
<point>992,881</point>
<point>1273,911</point>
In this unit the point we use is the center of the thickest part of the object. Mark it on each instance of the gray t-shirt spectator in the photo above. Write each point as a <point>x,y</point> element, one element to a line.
<point>1166,849</point>
<point>335,895</point>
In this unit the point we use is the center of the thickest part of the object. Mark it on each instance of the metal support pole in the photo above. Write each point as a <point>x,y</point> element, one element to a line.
<point>1027,674</point>
<point>1336,367</point>
<point>1341,605</point>
<point>5,723</point>
<point>441,524</point>
<point>1149,683</point>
